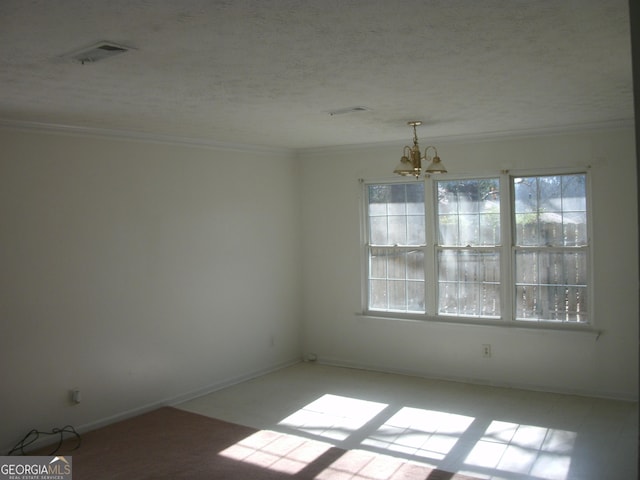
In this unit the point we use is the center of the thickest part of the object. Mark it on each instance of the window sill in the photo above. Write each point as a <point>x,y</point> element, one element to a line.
<point>485,323</point>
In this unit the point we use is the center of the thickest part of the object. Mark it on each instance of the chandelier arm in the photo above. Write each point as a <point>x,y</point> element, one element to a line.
<point>426,150</point>
<point>406,153</point>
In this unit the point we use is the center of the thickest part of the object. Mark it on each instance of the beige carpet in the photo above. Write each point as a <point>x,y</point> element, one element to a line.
<point>169,443</point>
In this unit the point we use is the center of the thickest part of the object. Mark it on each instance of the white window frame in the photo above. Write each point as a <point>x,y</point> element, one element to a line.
<point>436,247</point>
<point>367,246</point>
<point>507,251</point>
<point>586,248</point>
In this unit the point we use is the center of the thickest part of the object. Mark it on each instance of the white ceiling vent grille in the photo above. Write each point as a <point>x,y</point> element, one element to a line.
<point>97,52</point>
<point>343,111</point>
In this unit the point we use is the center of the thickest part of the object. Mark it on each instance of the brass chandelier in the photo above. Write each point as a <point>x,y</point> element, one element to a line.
<point>411,161</point>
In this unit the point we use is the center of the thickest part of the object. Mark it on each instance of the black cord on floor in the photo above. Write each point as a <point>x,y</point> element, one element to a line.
<point>33,435</point>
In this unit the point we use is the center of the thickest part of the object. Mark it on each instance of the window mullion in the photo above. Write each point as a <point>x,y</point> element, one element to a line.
<point>507,224</point>
<point>430,254</point>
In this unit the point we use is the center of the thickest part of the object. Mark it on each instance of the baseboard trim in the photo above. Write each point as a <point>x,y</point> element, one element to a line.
<point>336,362</point>
<point>184,397</point>
<point>228,383</point>
<point>169,401</point>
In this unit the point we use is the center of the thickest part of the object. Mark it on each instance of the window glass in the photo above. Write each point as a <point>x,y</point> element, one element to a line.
<point>550,210</point>
<point>551,261</point>
<point>396,214</point>
<point>468,276</point>
<point>469,283</point>
<point>396,273</point>
<point>451,249</point>
<point>469,212</point>
<point>551,286</point>
<point>396,279</point>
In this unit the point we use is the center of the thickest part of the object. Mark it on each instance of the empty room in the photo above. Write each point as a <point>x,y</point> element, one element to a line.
<point>356,239</point>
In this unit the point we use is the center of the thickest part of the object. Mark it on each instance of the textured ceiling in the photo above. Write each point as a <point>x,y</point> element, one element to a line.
<point>267,73</point>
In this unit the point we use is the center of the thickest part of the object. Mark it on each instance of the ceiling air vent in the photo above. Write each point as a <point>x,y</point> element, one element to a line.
<point>97,52</point>
<point>343,111</point>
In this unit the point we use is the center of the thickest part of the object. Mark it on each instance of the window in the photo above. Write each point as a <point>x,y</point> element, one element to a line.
<point>503,248</point>
<point>396,232</point>
<point>551,248</point>
<point>468,252</point>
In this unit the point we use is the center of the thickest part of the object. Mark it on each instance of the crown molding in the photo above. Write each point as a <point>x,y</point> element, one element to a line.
<point>213,144</point>
<point>480,137</point>
<point>57,128</point>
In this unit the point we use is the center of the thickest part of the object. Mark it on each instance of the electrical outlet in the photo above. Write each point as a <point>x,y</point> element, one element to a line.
<point>486,350</point>
<point>76,396</point>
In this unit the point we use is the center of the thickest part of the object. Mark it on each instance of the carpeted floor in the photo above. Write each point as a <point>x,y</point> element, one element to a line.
<point>169,443</point>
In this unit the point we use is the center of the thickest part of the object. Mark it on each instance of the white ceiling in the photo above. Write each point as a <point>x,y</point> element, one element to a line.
<point>267,73</point>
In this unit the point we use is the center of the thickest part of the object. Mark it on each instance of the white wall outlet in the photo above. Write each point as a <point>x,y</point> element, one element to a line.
<point>76,396</point>
<point>486,350</point>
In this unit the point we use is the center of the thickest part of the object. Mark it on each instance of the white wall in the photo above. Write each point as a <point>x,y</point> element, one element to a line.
<point>548,360</point>
<point>138,273</point>
<point>143,273</point>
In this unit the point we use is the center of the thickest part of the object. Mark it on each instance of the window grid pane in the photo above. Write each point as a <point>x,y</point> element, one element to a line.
<point>469,212</point>
<point>551,286</point>
<point>396,279</point>
<point>469,283</point>
<point>396,214</point>
<point>551,210</point>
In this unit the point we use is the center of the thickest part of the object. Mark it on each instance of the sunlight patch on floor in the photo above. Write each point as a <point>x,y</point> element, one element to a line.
<point>393,442</point>
<point>428,434</point>
<point>333,416</point>
<point>523,449</point>
<point>276,451</point>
